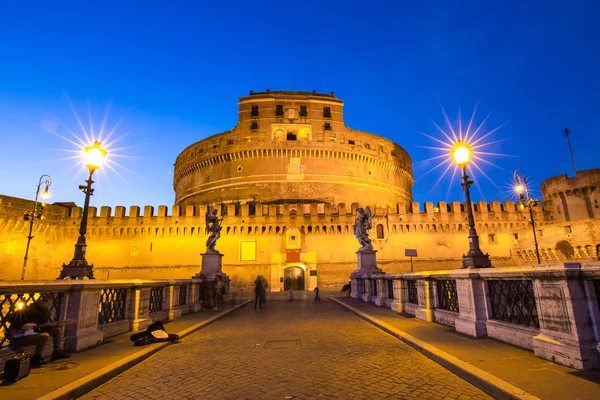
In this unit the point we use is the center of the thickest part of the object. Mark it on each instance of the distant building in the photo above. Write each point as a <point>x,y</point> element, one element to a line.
<point>288,179</point>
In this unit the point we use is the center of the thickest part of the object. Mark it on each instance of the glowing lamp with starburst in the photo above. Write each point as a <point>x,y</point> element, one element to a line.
<point>461,153</point>
<point>94,156</point>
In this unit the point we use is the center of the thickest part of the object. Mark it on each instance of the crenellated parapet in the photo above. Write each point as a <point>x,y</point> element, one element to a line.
<point>571,199</point>
<point>312,218</point>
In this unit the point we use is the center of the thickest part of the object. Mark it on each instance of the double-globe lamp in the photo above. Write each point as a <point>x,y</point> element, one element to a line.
<point>79,268</point>
<point>36,213</point>
<point>474,258</point>
<point>522,189</point>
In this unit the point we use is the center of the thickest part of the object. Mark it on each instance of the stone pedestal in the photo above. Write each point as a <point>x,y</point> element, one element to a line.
<point>472,307</point>
<point>212,264</point>
<point>367,266</point>
<point>567,333</point>
<point>425,307</point>
<point>82,308</point>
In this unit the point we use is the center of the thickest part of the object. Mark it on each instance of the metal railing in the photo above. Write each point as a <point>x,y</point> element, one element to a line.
<point>513,301</point>
<point>413,296</point>
<point>447,295</point>
<point>156,298</point>
<point>182,295</point>
<point>12,303</point>
<point>112,305</point>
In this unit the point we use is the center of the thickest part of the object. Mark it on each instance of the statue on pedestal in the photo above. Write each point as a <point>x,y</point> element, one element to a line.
<point>213,225</point>
<point>364,221</point>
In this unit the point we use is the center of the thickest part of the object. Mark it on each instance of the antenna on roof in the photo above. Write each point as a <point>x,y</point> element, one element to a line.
<point>568,135</point>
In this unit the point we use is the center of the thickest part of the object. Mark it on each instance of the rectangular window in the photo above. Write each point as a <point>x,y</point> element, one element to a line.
<point>230,142</point>
<point>303,112</point>
<point>216,146</point>
<point>255,111</point>
<point>321,208</point>
<point>516,236</point>
<point>253,125</point>
<point>492,238</point>
<point>279,110</point>
<point>367,146</point>
<point>306,208</point>
<point>327,126</point>
<point>351,142</point>
<point>247,250</point>
<point>326,112</point>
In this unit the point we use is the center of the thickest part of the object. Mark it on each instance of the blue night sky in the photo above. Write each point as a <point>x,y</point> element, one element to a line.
<point>173,71</point>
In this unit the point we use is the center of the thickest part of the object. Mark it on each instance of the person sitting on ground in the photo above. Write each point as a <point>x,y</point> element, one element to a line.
<point>36,313</point>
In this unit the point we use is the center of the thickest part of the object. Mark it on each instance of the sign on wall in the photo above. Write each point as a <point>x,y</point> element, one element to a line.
<point>247,250</point>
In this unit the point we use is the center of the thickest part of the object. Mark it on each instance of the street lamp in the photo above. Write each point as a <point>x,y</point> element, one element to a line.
<point>522,190</point>
<point>79,268</point>
<point>35,213</point>
<point>474,257</point>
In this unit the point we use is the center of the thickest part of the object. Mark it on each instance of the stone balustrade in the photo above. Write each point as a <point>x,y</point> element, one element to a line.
<point>100,309</point>
<point>552,309</point>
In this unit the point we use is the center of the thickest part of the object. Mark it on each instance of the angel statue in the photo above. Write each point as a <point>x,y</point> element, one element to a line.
<point>364,221</point>
<point>213,225</point>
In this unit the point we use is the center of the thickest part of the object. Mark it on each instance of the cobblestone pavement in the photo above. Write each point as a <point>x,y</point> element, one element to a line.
<point>288,350</point>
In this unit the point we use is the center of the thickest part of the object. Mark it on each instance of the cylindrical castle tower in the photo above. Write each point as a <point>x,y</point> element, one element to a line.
<point>293,147</point>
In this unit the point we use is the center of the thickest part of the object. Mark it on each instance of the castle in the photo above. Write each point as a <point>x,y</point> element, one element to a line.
<point>287,179</point>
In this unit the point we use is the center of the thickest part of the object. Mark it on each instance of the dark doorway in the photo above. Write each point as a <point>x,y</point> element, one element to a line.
<point>293,277</point>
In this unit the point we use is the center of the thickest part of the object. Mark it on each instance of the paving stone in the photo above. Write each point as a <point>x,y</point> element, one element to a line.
<point>317,351</point>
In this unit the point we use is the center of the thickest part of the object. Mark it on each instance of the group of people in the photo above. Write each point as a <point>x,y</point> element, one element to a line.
<point>260,291</point>
<point>211,294</point>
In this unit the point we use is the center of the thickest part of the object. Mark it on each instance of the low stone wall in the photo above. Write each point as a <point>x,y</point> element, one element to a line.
<point>99,309</point>
<point>552,309</point>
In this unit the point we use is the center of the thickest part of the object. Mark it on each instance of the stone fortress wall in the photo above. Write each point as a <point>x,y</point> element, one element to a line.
<point>319,237</point>
<point>288,190</point>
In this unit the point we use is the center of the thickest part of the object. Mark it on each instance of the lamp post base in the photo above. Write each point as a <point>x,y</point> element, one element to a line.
<point>77,269</point>
<point>476,260</point>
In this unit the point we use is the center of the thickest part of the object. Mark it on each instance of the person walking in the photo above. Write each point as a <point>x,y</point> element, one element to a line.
<point>265,286</point>
<point>258,292</point>
<point>202,293</point>
<point>219,292</point>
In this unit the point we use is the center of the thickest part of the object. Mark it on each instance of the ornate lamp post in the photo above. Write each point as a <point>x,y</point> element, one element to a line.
<point>474,257</point>
<point>35,213</point>
<point>522,189</point>
<point>79,268</point>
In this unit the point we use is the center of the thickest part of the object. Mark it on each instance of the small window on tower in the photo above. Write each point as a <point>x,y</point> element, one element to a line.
<point>279,110</point>
<point>255,111</point>
<point>253,125</point>
<point>351,142</point>
<point>216,146</point>
<point>516,236</point>
<point>327,126</point>
<point>367,146</point>
<point>230,142</point>
<point>303,112</point>
<point>326,112</point>
<point>492,238</point>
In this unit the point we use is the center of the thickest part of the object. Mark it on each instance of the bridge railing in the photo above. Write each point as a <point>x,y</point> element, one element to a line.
<point>94,310</point>
<point>551,309</point>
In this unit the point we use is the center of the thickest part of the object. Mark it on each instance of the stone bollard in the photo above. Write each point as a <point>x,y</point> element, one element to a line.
<point>291,294</point>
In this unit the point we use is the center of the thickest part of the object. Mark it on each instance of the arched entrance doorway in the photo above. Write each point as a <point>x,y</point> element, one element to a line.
<point>293,277</point>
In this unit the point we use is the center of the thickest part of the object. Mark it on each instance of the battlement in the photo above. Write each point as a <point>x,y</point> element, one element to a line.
<point>310,210</point>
